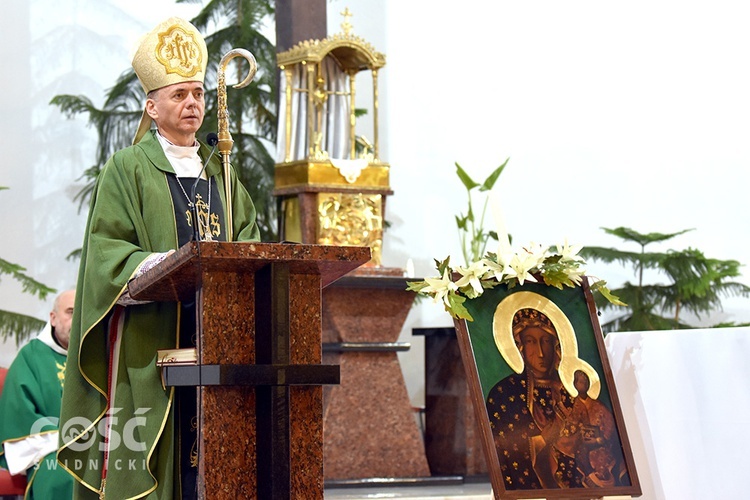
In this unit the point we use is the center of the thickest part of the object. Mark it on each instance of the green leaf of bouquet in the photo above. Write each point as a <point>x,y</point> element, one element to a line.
<point>488,284</point>
<point>490,181</point>
<point>611,297</point>
<point>442,266</point>
<point>467,181</point>
<point>469,292</point>
<point>556,275</point>
<point>552,259</point>
<point>416,286</point>
<point>601,287</point>
<point>552,281</point>
<point>456,307</point>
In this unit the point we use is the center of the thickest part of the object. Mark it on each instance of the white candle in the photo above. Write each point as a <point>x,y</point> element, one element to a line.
<point>409,273</point>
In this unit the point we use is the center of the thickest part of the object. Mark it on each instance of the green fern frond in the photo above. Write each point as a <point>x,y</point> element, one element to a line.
<point>28,284</point>
<point>18,326</point>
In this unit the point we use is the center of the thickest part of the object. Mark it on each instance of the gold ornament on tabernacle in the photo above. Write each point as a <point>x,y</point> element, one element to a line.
<point>351,220</point>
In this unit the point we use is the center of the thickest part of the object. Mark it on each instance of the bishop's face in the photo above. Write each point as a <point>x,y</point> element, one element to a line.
<point>178,111</point>
<point>538,348</point>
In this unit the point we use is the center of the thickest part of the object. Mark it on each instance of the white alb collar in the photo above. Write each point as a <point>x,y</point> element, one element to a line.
<point>184,159</point>
<point>45,336</point>
<point>178,152</point>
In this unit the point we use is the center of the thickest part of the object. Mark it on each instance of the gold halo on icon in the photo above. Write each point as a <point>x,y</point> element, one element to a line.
<point>502,331</point>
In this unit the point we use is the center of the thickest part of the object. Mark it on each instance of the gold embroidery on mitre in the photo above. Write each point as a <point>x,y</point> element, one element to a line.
<point>179,52</point>
<point>173,52</point>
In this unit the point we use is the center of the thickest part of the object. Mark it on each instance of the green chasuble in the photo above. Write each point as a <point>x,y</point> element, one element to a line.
<point>131,217</point>
<point>30,405</point>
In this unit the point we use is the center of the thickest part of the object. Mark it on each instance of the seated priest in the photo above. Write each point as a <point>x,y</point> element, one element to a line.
<point>30,407</point>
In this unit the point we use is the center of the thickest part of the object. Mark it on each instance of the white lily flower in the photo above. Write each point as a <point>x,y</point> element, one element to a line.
<point>440,287</point>
<point>569,252</point>
<point>533,251</point>
<point>500,269</point>
<point>520,265</point>
<point>496,270</point>
<point>472,275</point>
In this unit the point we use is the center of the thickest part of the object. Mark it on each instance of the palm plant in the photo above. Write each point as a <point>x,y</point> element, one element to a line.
<point>17,325</point>
<point>697,283</point>
<point>252,110</point>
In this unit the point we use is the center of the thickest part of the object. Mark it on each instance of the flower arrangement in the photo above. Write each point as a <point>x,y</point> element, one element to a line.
<point>533,262</point>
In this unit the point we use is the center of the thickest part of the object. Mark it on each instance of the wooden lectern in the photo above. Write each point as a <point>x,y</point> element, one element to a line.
<point>259,352</point>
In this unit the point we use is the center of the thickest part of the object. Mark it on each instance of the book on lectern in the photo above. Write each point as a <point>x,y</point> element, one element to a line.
<point>177,357</point>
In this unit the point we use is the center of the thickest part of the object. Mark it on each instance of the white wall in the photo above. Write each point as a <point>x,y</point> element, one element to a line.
<point>631,114</point>
<point>612,113</point>
<point>49,48</point>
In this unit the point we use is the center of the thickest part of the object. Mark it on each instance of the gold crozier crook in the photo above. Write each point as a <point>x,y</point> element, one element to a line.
<point>225,138</point>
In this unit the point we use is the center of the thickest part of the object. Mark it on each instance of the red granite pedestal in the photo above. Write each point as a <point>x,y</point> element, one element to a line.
<point>369,427</point>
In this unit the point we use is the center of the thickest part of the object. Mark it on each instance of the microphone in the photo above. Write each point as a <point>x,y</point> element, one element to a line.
<point>212,139</point>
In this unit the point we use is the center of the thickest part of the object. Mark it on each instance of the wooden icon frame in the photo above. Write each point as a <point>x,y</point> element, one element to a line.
<point>572,312</point>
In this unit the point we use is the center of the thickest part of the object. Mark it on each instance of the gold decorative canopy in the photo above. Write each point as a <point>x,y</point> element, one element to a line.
<point>330,179</point>
<point>352,52</point>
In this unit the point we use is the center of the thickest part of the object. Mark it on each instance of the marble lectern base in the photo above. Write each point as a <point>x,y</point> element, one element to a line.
<point>259,360</point>
<point>369,427</point>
